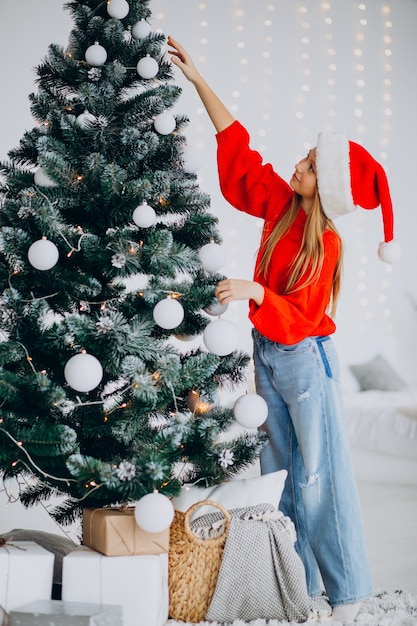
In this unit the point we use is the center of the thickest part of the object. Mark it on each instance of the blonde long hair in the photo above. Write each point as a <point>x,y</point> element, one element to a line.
<point>309,260</point>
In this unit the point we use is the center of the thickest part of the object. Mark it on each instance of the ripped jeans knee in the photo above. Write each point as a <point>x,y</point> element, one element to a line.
<point>311,490</point>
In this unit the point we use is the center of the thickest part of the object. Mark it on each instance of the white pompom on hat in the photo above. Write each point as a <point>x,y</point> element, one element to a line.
<point>347,177</point>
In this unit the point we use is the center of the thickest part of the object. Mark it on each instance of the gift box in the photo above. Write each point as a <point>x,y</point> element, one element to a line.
<point>57,613</point>
<point>26,573</point>
<point>4,617</point>
<point>138,583</point>
<point>114,532</point>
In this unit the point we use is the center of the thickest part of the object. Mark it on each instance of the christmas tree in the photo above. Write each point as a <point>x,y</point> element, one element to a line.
<point>109,257</point>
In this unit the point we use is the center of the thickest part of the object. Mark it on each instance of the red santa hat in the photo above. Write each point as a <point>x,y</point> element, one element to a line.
<point>347,177</point>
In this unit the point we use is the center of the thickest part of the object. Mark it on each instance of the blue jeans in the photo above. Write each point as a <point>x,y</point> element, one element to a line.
<point>308,437</point>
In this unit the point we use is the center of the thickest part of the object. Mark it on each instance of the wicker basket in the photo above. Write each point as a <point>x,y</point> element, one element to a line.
<point>194,565</point>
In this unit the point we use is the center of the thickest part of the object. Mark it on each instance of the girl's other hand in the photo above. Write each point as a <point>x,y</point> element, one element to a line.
<point>232,289</point>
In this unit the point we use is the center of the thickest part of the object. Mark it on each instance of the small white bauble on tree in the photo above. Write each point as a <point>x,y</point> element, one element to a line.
<point>212,257</point>
<point>144,215</point>
<point>220,337</point>
<point>164,123</point>
<point>96,55</point>
<point>83,372</point>
<point>216,309</point>
<point>43,254</point>
<point>250,410</point>
<point>117,8</point>
<point>42,179</point>
<point>86,119</point>
<point>141,29</point>
<point>168,313</point>
<point>154,512</point>
<point>192,159</point>
<point>147,67</point>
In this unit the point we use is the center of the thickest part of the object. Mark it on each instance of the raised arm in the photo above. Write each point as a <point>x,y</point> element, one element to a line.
<point>218,113</point>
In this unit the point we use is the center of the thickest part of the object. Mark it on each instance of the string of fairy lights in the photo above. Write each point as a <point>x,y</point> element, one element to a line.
<point>365,275</point>
<point>302,100</point>
<point>386,129</point>
<point>331,67</point>
<point>361,24</point>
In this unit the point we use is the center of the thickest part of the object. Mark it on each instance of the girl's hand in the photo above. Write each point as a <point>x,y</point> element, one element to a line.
<point>218,113</point>
<point>182,59</point>
<point>236,289</point>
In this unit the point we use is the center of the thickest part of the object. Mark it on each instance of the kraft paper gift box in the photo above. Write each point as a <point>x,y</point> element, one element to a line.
<point>138,583</point>
<point>26,573</point>
<point>57,613</point>
<point>114,532</point>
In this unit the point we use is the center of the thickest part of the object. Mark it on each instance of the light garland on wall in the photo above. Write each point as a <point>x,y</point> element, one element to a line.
<point>259,54</point>
<point>239,29</point>
<point>267,44</point>
<point>386,140</point>
<point>367,305</point>
<point>304,101</point>
<point>359,68</point>
<point>204,42</point>
<point>305,86</point>
<point>359,99</point>
<point>326,9</point>
<point>387,83</point>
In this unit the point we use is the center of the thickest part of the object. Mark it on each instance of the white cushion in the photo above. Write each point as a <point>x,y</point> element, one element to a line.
<point>234,494</point>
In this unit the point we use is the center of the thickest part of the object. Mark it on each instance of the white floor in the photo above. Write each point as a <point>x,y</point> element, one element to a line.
<point>390,519</point>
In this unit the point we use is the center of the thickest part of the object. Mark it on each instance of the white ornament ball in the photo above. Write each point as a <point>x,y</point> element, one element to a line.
<point>147,67</point>
<point>141,29</point>
<point>220,337</point>
<point>43,254</point>
<point>118,8</point>
<point>165,123</point>
<point>212,257</point>
<point>84,120</point>
<point>96,55</point>
<point>144,215</point>
<point>250,410</point>
<point>154,512</point>
<point>42,179</point>
<point>168,313</point>
<point>83,372</point>
<point>216,308</point>
<point>192,160</point>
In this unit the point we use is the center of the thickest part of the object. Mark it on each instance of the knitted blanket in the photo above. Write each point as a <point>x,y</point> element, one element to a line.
<point>261,574</point>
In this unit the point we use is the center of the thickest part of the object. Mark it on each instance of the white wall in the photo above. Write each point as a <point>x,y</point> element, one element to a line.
<point>271,63</point>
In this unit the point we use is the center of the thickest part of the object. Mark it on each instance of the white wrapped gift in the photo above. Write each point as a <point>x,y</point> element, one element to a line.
<point>57,613</point>
<point>26,572</point>
<point>139,583</point>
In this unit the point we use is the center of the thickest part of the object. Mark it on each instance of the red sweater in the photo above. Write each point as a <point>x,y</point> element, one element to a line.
<point>255,188</point>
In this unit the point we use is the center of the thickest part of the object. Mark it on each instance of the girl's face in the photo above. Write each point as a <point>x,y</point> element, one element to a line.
<point>304,179</point>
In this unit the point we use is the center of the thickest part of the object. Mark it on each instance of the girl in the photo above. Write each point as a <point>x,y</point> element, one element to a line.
<point>296,280</point>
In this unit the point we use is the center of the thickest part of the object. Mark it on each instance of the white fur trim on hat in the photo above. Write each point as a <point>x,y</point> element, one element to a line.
<point>333,174</point>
